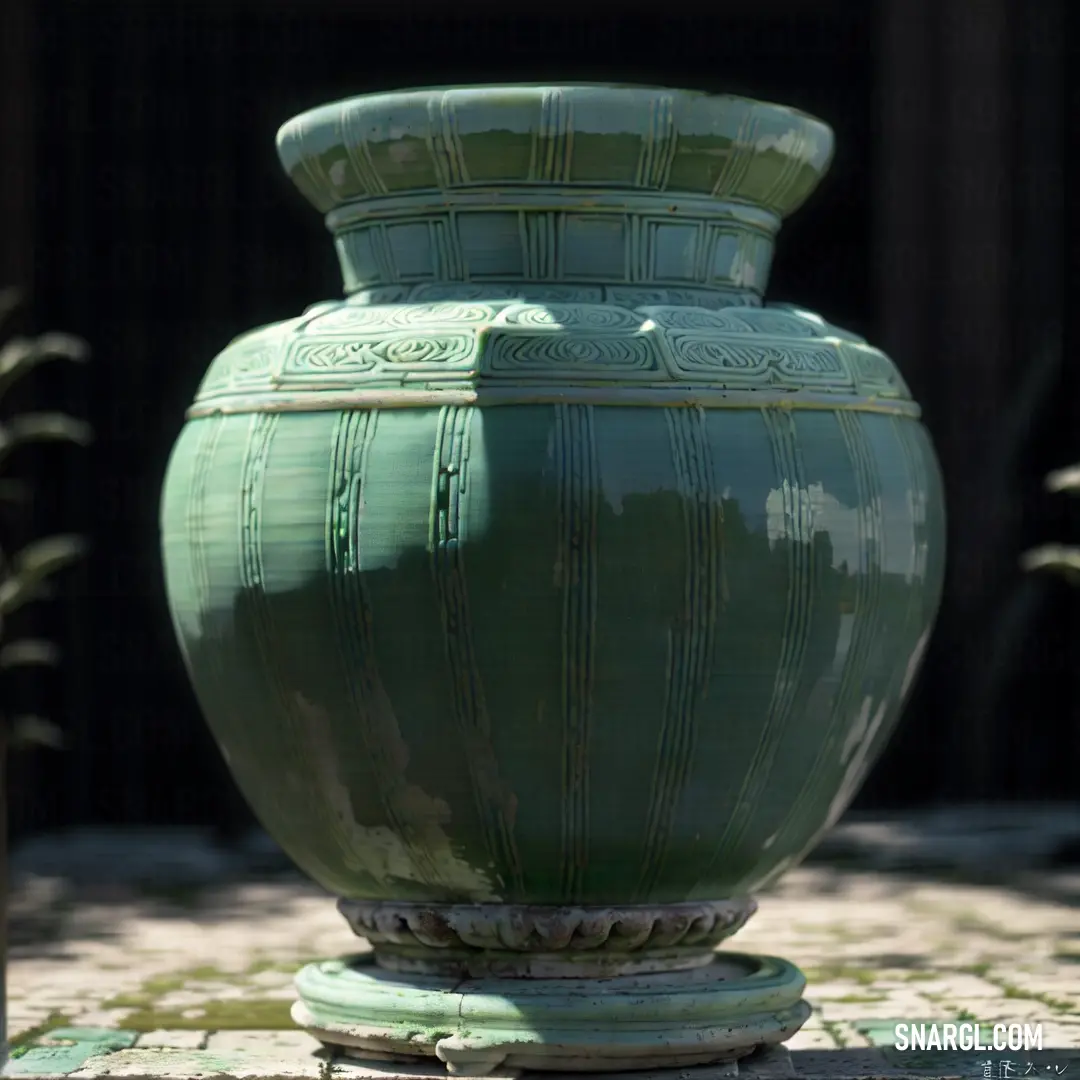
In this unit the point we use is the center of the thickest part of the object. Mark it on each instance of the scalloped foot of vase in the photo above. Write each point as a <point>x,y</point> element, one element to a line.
<point>717,1012</point>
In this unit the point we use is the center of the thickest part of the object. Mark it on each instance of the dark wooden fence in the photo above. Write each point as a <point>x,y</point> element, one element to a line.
<point>142,204</point>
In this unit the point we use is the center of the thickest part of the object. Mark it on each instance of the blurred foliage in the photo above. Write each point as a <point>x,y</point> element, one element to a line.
<point>1061,558</point>
<point>25,574</point>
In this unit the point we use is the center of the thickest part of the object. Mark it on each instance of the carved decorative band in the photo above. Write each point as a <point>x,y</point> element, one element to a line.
<point>543,928</point>
<point>545,941</point>
<point>541,197</point>
<point>661,396</point>
<point>554,237</point>
<point>562,292</point>
<point>595,353</point>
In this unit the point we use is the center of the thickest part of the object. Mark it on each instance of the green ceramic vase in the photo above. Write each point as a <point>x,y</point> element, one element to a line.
<point>551,574</point>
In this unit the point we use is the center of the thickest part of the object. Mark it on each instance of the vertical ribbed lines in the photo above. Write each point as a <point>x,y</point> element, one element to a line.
<point>639,253</point>
<point>299,133</point>
<point>914,471</point>
<point>195,521</point>
<point>375,723</point>
<point>252,476</point>
<point>449,259</point>
<point>866,602</point>
<point>552,148</point>
<point>494,806</point>
<point>739,157</point>
<point>868,580</point>
<point>261,433</point>
<point>798,541</point>
<point>577,468</point>
<point>382,252</point>
<point>658,145</point>
<point>690,645</point>
<point>542,239</point>
<point>789,172</point>
<point>706,253</point>
<point>353,135</point>
<point>252,574</point>
<point>444,143</point>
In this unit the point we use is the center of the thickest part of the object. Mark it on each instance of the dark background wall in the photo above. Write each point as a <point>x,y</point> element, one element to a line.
<point>142,207</point>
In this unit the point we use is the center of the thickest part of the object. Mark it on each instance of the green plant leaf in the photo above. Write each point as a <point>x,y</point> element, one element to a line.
<point>42,427</point>
<point>21,355</point>
<point>42,590</point>
<point>1064,479</point>
<point>1056,557</point>
<point>35,731</point>
<point>29,652</point>
<point>32,565</point>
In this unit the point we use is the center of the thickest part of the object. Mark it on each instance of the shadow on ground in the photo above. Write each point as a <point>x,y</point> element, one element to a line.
<point>82,885</point>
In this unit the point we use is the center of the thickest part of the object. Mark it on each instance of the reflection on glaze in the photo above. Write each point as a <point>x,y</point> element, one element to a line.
<point>801,514</point>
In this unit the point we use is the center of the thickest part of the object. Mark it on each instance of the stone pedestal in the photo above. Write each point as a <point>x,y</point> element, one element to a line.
<point>486,988</point>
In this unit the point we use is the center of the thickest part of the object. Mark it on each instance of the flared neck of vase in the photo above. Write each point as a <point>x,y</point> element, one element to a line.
<point>566,185</point>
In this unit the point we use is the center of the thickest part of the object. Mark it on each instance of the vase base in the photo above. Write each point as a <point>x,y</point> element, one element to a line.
<point>720,1012</point>
<point>538,941</point>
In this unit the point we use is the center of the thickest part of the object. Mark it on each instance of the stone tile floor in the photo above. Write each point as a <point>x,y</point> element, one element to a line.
<point>184,973</point>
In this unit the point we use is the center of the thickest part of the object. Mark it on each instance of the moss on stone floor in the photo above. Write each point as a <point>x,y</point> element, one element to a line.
<point>840,973</point>
<point>257,967</point>
<point>29,1035</point>
<point>148,1012</point>
<point>239,1014</point>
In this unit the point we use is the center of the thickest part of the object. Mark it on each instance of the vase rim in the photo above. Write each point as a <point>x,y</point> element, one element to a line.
<point>566,137</point>
<point>617,89</point>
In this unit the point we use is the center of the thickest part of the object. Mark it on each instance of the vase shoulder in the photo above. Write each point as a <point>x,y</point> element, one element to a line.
<point>515,346</point>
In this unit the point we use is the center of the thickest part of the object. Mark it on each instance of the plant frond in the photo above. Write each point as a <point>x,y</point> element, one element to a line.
<point>35,562</point>
<point>30,652</point>
<point>21,355</point>
<point>1067,479</point>
<point>1057,557</point>
<point>42,427</point>
<point>34,731</point>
